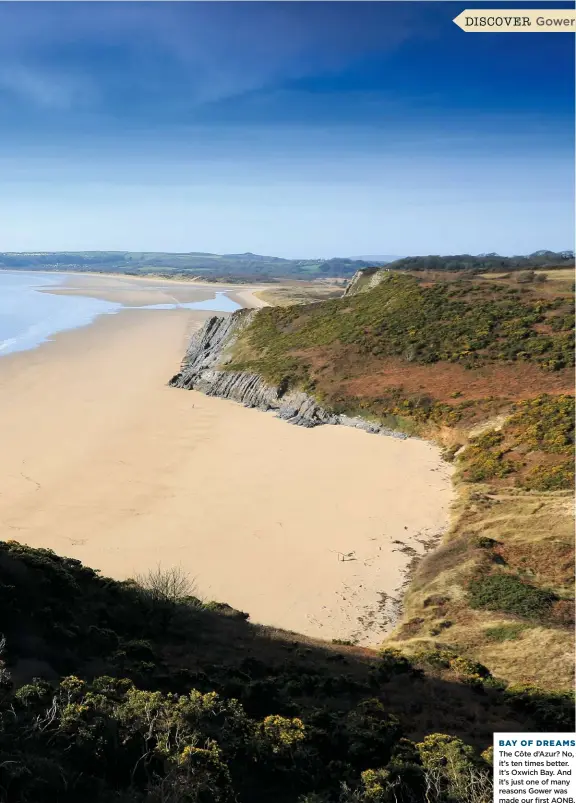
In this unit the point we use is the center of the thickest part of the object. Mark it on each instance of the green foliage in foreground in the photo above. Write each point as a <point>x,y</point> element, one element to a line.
<point>138,695</point>
<point>109,741</point>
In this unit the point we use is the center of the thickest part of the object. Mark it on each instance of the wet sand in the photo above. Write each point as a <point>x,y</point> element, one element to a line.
<point>136,291</point>
<point>101,461</point>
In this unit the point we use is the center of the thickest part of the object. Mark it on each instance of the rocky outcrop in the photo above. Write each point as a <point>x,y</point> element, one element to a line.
<point>366,279</point>
<point>204,369</point>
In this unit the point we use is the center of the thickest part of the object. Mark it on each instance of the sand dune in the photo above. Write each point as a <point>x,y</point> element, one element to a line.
<point>103,462</point>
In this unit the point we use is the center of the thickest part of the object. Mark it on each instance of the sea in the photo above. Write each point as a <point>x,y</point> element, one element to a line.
<point>29,317</point>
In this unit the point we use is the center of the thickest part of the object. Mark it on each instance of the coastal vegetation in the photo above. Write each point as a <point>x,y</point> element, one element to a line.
<point>533,449</point>
<point>481,365</point>
<point>448,352</point>
<point>150,694</point>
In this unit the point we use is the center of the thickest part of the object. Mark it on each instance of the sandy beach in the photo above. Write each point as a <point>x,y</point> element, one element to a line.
<point>101,461</point>
<point>136,291</point>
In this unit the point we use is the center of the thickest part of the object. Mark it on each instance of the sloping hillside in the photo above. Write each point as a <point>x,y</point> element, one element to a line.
<point>443,352</point>
<point>140,693</point>
<point>485,368</point>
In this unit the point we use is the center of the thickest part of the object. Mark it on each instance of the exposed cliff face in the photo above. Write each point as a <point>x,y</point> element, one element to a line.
<point>366,279</point>
<point>204,369</point>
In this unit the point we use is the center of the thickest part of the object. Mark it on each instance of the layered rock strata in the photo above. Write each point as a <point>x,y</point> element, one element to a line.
<point>204,369</point>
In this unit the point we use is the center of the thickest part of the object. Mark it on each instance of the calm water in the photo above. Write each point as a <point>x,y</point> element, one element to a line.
<point>29,317</point>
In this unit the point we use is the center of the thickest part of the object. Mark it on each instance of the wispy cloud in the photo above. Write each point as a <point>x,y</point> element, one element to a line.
<point>209,51</point>
<point>43,88</point>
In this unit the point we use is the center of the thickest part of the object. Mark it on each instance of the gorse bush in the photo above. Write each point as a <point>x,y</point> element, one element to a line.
<point>484,458</point>
<point>534,447</point>
<point>107,740</point>
<point>453,771</point>
<point>545,424</point>
<point>550,478</point>
<point>109,736</point>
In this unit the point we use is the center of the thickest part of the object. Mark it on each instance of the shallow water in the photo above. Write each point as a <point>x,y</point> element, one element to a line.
<point>29,317</point>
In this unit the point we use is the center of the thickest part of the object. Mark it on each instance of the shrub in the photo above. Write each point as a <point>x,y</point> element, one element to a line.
<point>166,585</point>
<point>437,659</point>
<point>488,755</point>
<point>435,601</point>
<point>483,542</point>
<point>453,772</point>
<point>483,457</point>
<point>281,733</point>
<point>440,750</point>
<point>392,662</point>
<point>506,593</point>
<point>525,276</point>
<point>376,786</point>
<point>545,423</point>
<point>371,733</point>
<point>467,668</point>
<point>550,478</point>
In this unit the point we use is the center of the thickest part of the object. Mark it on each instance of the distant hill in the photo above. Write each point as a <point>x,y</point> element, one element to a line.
<point>248,266</point>
<point>256,267</point>
<point>378,258</point>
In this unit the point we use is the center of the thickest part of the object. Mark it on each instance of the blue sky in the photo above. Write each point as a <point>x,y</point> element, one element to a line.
<point>288,128</point>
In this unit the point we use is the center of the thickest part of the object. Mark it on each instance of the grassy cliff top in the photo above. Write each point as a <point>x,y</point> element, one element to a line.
<point>445,351</point>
